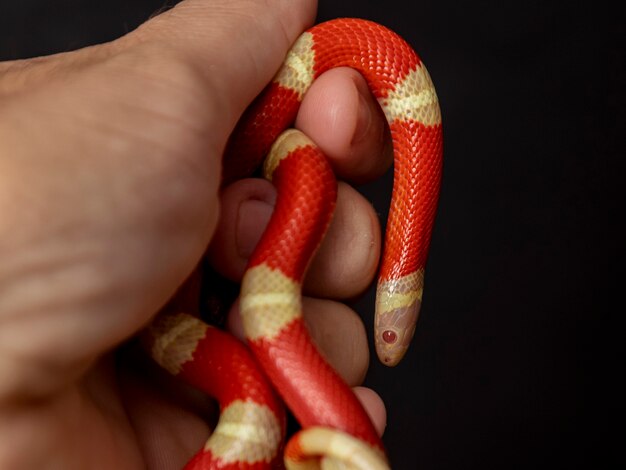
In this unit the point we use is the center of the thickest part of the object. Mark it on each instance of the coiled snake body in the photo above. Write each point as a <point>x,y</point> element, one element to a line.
<point>251,428</point>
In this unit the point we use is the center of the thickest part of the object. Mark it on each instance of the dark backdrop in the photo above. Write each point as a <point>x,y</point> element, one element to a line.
<point>517,362</point>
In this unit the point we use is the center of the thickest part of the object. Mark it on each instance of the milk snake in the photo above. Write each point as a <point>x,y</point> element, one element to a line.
<point>251,429</point>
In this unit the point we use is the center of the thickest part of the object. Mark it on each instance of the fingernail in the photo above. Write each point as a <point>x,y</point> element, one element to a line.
<point>363,120</point>
<point>252,218</point>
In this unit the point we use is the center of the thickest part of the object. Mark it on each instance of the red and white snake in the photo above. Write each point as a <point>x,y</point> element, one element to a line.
<point>251,428</point>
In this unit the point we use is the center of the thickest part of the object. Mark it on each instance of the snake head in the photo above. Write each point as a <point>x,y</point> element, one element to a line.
<point>398,304</point>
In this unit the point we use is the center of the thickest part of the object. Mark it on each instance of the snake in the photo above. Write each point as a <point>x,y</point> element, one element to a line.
<point>279,368</point>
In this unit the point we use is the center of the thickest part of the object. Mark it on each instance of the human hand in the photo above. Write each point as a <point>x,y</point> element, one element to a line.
<point>109,197</point>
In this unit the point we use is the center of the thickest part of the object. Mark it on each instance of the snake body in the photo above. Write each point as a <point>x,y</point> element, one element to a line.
<point>335,426</point>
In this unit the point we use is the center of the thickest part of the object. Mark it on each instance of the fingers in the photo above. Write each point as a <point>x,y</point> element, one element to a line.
<point>246,207</point>
<point>374,406</point>
<point>346,261</point>
<point>336,329</point>
<point>342,117</point>
<point>340,336</point>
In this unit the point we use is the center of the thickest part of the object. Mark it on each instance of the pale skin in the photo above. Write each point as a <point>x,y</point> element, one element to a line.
<point>109,174</point>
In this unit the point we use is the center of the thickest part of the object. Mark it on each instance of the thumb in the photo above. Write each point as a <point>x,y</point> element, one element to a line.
<point>120,147</point>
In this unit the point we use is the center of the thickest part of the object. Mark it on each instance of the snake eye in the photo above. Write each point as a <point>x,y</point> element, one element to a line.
<point>389,336</point>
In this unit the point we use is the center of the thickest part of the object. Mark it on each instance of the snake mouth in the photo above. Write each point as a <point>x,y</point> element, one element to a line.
<point>391,357</point>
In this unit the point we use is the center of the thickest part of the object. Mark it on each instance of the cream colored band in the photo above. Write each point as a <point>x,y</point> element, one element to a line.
<point>175,338</point>
<point>400,293</point>
<point>413,98</point>
<point>297,72</point>
<point>269,301</point>
<point>338,449</point>
<point>246,432</point>
<point>286,143</point>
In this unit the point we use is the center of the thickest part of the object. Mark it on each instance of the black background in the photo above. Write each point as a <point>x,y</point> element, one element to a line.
<point>518,360</point>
